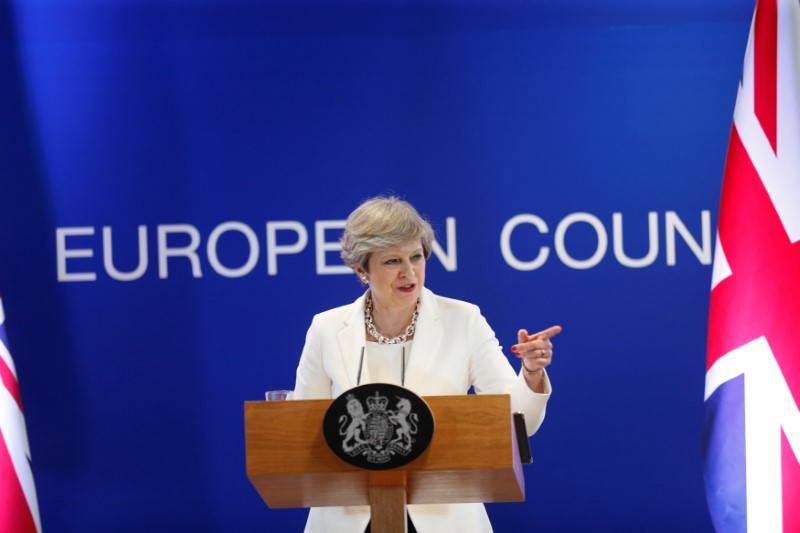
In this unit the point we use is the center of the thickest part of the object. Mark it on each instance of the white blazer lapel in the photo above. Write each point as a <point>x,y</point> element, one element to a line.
<point>352,340</point>
<point>428,338</point>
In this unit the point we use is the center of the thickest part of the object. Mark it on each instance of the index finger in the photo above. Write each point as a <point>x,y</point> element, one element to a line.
<point>546,334</point>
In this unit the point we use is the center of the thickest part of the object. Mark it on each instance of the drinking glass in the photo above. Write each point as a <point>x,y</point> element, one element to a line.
<point>278,395</point>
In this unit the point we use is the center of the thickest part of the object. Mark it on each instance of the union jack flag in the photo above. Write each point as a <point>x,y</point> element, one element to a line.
<point>19,509</point>
<point>751,444</point>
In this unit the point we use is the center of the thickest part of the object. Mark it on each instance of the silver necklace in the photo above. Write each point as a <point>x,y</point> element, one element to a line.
<point>400,339</point>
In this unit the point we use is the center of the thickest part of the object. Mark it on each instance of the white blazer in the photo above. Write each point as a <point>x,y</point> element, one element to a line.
<point>454,349</point>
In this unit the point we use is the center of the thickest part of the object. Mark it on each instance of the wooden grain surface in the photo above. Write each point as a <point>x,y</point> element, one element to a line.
<point>472,457</point>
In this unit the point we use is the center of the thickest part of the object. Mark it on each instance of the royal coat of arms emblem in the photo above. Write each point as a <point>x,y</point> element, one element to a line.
<point>393,430</point>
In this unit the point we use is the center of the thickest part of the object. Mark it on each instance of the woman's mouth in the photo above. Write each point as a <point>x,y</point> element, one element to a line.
<point>408,288</point>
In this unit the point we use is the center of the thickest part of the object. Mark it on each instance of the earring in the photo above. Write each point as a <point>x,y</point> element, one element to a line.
<point>363,279</point>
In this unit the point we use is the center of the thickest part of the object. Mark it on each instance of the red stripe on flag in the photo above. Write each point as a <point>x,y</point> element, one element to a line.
<point>765,50</point>
<point>731,307</point>
<point>15,515</point>
<point>762,295</point>
<point>10,382</point>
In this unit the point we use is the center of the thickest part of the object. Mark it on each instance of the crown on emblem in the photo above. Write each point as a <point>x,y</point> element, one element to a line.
<point>377,402</point>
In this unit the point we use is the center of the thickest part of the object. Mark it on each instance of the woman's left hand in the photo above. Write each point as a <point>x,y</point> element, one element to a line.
<point>536,351</point>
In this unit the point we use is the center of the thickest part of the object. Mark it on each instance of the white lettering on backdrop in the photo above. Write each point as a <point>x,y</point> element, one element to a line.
<point>179,246</point>
<point>672,224</point>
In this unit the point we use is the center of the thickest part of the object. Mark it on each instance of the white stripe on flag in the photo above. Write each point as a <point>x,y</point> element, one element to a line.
<point>15,435</point>
<point>5,355</point>
<point>769,408</point>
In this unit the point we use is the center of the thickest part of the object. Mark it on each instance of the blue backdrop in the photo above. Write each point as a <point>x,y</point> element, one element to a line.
<point>174,177</point>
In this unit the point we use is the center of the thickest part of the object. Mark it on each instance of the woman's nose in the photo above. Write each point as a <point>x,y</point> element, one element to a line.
<point>405,269</point>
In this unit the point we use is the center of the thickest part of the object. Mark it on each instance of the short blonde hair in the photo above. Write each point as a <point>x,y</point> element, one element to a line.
<point>379,223</point>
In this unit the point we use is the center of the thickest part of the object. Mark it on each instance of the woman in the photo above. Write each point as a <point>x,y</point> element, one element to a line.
<point>414,338</point>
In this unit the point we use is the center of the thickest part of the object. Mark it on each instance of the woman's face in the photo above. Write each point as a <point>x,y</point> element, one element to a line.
<point>396,274</point>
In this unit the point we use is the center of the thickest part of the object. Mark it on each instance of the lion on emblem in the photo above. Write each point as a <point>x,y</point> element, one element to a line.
<point>357,424</point>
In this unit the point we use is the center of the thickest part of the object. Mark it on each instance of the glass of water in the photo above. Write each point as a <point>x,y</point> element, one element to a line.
<point>278,395</point>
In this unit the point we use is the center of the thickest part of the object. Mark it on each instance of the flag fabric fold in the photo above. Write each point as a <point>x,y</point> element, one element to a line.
<point>19,508</point>
<point>751,444</point>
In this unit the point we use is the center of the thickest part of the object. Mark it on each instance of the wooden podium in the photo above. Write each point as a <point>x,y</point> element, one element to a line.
<point>473,457</point>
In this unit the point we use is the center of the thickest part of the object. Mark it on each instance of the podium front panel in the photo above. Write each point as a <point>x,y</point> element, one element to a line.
<point>473,456</point>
